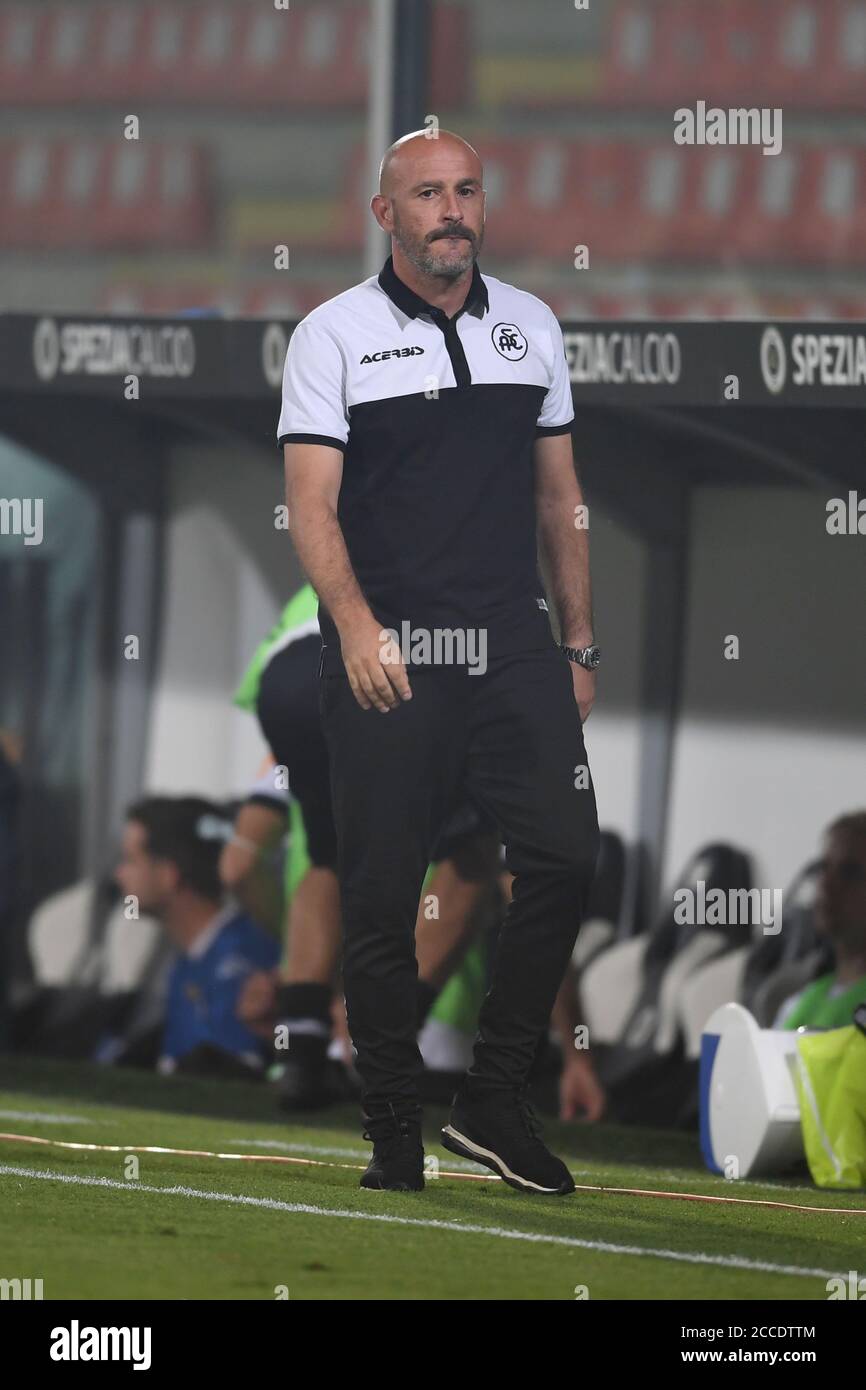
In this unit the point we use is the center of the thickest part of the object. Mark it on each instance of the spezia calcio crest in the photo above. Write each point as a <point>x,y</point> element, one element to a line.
<point>774,365</point>
<point>509,341</point>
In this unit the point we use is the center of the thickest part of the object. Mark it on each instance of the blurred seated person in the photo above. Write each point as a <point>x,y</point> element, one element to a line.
<point>170,866</point>
<point>251,866</point>
<point>840,916</point>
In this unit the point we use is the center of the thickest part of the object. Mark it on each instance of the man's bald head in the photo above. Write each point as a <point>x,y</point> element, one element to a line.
<point>407,160</point>
<point>431,203</point>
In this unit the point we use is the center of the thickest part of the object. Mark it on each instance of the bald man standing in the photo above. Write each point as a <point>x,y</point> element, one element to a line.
<point>426,424</point>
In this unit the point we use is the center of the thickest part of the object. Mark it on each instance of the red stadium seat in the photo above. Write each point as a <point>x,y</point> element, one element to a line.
<point>22,44</point>
<point>80,193</point>
<point>797,53</point>
<point>656,54</point>
<point>682,55</point>
<point>739,39</point>
<point>845,82</point>
<point>773,203</point>
<point>528,182</point>
<point>189,50</point>
<point>834,191</point>
<point>629,52</point>
<point>712,205</point>
<point>601,201</point>
<point>659,173</point>
<point>801,32</point>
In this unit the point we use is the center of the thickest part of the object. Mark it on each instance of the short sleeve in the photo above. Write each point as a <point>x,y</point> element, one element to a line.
<point>314,390</point>
<point>557,410</point>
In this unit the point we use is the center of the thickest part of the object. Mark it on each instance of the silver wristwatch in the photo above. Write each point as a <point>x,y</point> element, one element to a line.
<point>588,657</point>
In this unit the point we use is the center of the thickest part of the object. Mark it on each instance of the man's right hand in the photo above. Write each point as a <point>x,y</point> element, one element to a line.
<point>375,676</point>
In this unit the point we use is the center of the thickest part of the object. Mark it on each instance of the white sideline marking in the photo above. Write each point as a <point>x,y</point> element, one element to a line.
<point>332,1151</point>
<point>45,1117</point>
<point>733,1183</point>
<point>431,1223</point>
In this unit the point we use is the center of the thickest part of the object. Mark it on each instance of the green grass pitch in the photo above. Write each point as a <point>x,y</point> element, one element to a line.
<point>207,1228</point>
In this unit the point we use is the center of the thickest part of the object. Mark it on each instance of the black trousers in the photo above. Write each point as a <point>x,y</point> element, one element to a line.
<point>288,714</point>
<point>511,739</point>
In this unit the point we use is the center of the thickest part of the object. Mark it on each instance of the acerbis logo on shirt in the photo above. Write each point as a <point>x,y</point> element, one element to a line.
<point>383,355</point>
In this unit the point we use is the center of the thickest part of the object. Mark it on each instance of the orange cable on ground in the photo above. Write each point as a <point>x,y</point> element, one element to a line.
<point>471,1177</point>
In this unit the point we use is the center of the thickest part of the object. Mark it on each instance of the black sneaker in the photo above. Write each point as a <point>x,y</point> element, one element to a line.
<point>500,1129</point>
<point>397,1164</point>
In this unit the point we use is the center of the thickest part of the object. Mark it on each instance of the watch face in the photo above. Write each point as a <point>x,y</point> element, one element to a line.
<point>593,657</point>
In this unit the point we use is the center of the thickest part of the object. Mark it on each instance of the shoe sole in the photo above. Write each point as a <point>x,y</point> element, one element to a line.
<point>391,1187</point>
<point>458,1143</point>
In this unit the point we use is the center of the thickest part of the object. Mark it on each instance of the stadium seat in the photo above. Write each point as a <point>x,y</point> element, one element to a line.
<point>770,954</point>
<point>151,50</point>
<point>58,934</point>
<point>514,190</point>
<point>159,52</point>
<point>610,987</point>
<point>797,62</point>
<point>793,53</point>
<point>714,984</point>
<point>67,947</point>
<point>738,43</point>
<point>773,202</point>
<point>96,976</point>
<point>704,946</point>
<point>601,206</point>
<point>681,54</point>
<point>628,52</point>
<point>631,991</point>
<point>95,194</point>
<point>841,81</point>
<point>762,974</point>
<point>603,921</point>
<point>128,949</point>
<point>655,54</point>
<point>712,204</point>
<point>834,191</point>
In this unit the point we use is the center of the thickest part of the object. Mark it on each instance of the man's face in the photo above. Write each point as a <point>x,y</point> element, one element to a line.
<point>437,208</point>
<point>840,903</point>
<point>152,881</point>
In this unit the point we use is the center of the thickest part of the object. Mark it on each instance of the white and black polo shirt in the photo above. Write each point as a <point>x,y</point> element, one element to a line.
<point>436,418</point>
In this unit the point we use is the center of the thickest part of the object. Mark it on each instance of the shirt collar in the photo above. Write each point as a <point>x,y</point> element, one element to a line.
<point>476,301</point>
<point>201,944</point>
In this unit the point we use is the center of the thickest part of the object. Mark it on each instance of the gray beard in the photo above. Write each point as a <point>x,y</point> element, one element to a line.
<point>425,260</point>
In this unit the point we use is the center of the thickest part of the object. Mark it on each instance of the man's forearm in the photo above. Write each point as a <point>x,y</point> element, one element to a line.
<point>564,551</point>
<point>318,539</point>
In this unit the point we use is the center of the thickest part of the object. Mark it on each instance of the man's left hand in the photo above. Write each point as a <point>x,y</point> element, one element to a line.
<point>584,688</point>
<point>580,1090</point>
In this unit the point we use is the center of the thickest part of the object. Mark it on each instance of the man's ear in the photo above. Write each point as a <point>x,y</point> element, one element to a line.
<point>380,206</point>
